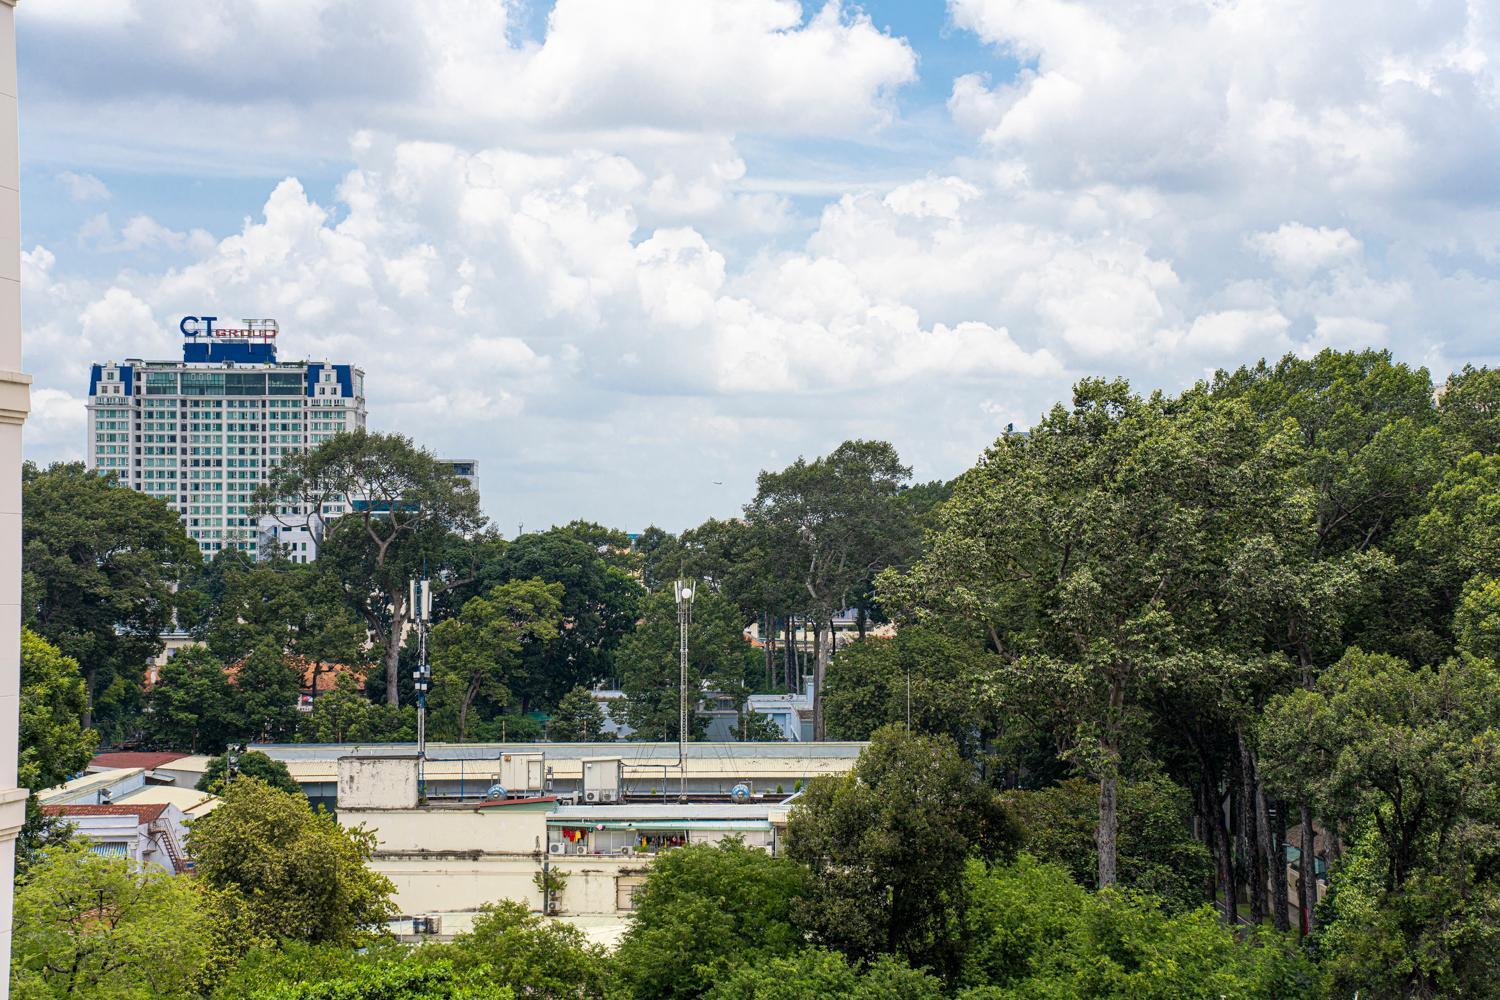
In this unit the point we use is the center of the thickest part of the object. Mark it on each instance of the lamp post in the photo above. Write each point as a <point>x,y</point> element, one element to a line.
<point>684,590</point>
<point>421,612</point>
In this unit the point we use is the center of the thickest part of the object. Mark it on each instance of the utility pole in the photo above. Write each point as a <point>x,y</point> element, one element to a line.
<point>421,612</point>
<point>684,591</point>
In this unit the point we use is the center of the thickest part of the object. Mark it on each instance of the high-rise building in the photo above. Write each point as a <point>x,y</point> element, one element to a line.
<point>202,433</point>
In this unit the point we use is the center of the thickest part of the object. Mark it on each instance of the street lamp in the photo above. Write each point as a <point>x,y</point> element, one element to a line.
<point>684,590</point>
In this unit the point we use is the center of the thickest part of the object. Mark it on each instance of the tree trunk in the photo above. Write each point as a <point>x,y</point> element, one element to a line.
<point>1253,819</point>
<point>1307,871</point>
<point>1223,858</point>
<point>862,620</point>
<point>768,642</point>
<point>820,670</point>
<point>393,652</point>
<point>1107,835</point>
<point>1276,861</point>
<point>90,675</point>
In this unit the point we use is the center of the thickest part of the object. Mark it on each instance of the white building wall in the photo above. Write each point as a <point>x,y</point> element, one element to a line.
<point>14,404</point>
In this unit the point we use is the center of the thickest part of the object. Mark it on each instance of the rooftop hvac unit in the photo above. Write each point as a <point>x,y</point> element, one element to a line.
<point>602,775</point>
<point>558,848</point>
<point>522,772</point>
<point>426,925</point>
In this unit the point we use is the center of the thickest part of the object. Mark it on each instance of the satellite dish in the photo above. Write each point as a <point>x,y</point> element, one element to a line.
<point>495,791</point>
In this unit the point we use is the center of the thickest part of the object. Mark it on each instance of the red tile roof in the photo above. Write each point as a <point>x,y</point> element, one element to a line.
<point>491,803</point>
<point>133,758</point>
<point>145,813</point>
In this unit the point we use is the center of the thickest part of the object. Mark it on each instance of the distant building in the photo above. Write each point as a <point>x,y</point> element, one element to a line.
<point>202,433</point>
<point>792,714</point>
<point>149,835</point>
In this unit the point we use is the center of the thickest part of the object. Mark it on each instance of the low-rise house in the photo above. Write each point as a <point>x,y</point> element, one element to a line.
<point>147,834</point>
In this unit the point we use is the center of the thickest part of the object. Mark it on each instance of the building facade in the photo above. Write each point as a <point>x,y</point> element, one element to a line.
<point>202,433</point>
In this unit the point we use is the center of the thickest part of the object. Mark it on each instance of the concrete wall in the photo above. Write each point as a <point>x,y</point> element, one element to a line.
<point>377,782</point>
<point>504,830</point>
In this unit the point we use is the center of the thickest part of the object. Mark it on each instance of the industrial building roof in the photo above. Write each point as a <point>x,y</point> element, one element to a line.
<point>632,753</point>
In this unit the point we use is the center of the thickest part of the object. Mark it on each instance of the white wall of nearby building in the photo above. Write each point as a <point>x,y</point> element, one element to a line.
<point>15,402</point>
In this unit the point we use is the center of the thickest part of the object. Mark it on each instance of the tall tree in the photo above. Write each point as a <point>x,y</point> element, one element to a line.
<point>886,876</point>
<point>480,652</point>
<point>600,604</point>
<point>99,566</point>
<point>192,703</point>
<point>1092,552</point>
<point>400,509</point>
<point>831,524</point>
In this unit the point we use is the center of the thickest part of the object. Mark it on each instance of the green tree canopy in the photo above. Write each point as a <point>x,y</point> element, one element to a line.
<point>297,874</point>
<point>480,653</point>
<point>99,564</point>
<point>1158,853</point>
<point>827,527</point>
<point>91,926</point>
<point>578,718</point>
<point>600,603</point>
<point>703,911</point>
<point>54,744</point>
<point>249,764</point>
<point>192,703</point>
<point>404,510</point>
<point>532,956</point>
<point>887,844</point>
<point>818,972</point>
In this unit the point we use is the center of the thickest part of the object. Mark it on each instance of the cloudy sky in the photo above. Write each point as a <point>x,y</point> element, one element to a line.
<point>625,252</point>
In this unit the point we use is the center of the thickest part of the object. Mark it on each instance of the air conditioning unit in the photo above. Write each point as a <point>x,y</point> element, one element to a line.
<point>581,849</point>
<point>558,848</point>
<point>591,796</point>
<point>606,795</point>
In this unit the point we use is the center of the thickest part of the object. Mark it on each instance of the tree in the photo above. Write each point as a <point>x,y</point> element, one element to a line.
<point>703,911</point>
<point>480,652</point>
<point>578,718</point>
<point>191,705</point>
<point>54,744</point>
<point>345,715</point>
<point>297,874</point>
<point>532,956</point>
<point>91,926</point>
<point>299,609</point>
<point>887,843</point>
<point>100,561</point>
<point>939,677</point>
<point>1469,409</point>
<point>600,604</point>
<point>1033,932</point>
<point>393,980</point>
<point>402,509</point>
<point>248,764</point>
<point>1092,552</point>
<point>264,694</point>
<point>831,524</point>
<point>817,972</point>
<point>719,659</point>
<point>1158,854</point>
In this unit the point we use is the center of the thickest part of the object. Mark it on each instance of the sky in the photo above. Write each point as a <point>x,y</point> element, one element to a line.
<point>629,254</point>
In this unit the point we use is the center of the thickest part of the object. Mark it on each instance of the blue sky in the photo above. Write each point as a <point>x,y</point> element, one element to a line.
<point>621,251</point>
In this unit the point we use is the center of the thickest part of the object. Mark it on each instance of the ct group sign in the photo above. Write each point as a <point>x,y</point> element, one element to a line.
<point>203,326</point>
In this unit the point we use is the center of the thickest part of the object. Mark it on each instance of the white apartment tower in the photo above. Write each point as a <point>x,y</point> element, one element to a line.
<point>202,433</point>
